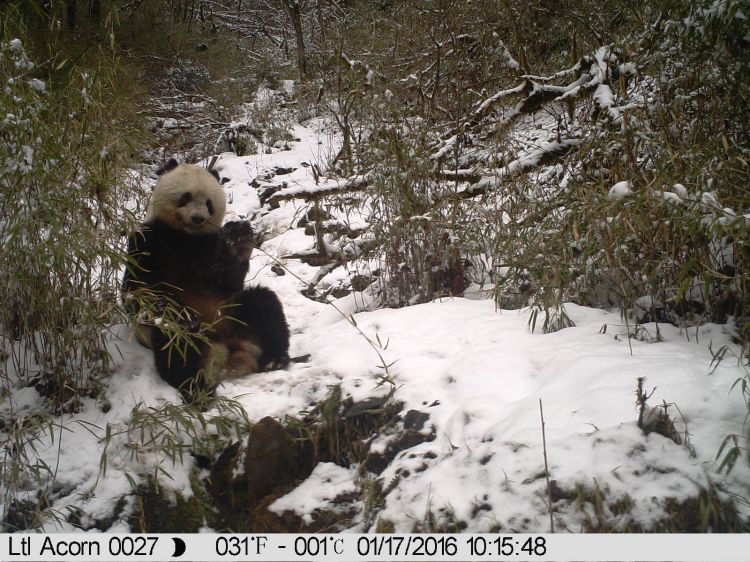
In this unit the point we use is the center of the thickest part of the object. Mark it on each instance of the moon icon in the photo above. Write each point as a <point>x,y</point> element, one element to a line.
<point>179,547</point>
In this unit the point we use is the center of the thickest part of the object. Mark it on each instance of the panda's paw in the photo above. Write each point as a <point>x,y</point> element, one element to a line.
<point>242,357</point>
<point>275,363</point>
<point>160,306</point>
<point>238,236</point>
<point>191,321</point>
<point>238,231</point>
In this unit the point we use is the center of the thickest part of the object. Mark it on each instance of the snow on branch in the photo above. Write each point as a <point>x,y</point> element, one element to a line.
<point>582,63</point>
<point>539,157</point>
<point>487,104</point>
<point>592,75</point>
<point>479,183</point>
<point>461,176</point>
<point>328,187</point>
<point>538,92</point>
<point>509,59</point>
<point>591,72</point>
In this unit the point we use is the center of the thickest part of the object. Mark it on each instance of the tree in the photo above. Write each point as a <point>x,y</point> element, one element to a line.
<point>294,11</point>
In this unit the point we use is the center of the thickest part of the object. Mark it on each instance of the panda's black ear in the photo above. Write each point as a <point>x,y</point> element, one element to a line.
<point>215,174</point>
<point>170,165</point>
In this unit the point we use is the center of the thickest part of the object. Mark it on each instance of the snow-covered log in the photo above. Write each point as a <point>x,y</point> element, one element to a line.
<point>328,187</point>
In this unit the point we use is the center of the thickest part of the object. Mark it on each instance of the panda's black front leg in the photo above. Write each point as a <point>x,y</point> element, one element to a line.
<point>181,353</point>
<point>178,367</point>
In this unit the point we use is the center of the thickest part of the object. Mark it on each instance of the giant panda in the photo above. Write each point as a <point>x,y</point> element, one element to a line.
<point>182,260</point>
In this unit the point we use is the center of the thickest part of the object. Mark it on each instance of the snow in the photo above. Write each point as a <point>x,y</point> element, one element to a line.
<point>485,372</point>
<point>681,191</point>
<point>322,487</point>
<point>709,200</point>
<point>529,160</point>
<point>479,374</point>
<point>628,68</point>
<point>603,96</point>
<point>669,197</point>
<point>37,84</point>
<point>477,371</point>
<point>620,190</point>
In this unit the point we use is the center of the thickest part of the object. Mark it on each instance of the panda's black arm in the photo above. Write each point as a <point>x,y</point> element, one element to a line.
<point>234,246</point>
<point>229,270</point>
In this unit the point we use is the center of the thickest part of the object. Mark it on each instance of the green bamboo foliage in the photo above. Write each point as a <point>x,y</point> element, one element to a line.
<point>63,193</point>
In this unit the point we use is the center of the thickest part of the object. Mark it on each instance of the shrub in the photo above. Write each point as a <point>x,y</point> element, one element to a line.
<point>64,195</point>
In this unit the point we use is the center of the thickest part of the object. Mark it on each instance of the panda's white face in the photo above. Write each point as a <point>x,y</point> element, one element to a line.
<point>194,213</point>
<point>189,199</point>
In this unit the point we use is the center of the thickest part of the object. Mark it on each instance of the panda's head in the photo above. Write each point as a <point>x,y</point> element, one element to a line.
<point>188,198</point>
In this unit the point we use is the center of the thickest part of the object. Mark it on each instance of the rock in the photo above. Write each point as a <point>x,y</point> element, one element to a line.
<point>222,476</point>
<point>20,516</point>
<point>361,282</point>
<point>314,214</point>
<point>264,194</point>
<point>158,512</point>
<point>657,420</point>
<point>410,434</point>
<point>274,459</point>
<point>374,404</point>
<point>271,459</point>
<point>313,259</point>
<point>414,419</point>
<point>339,292</point>
<point>385,526</point>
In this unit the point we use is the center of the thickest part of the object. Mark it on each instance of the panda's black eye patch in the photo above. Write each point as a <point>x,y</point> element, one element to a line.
<point>184,199</point>
<point>210,206</point>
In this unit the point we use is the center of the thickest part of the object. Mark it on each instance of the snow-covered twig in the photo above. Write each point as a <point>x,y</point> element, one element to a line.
<point>546,470</point>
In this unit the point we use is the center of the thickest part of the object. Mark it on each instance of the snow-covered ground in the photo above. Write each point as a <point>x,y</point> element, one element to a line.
<point>477,372</point>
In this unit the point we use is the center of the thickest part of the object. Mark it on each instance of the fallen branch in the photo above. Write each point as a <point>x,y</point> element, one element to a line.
<point>479,183</point>
<point>330,187</point>
<point>590,72</point>
<point>541,157</point>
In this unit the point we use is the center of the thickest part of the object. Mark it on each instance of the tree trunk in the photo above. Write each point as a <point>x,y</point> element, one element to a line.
<point>321,22</point>
<point>295,13</point>
<point>70,14</point>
